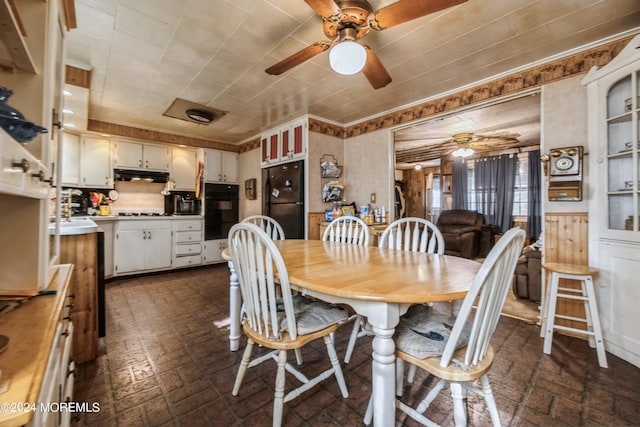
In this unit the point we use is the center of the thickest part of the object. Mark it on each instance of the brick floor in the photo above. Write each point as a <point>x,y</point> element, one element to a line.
<point>166,362</point>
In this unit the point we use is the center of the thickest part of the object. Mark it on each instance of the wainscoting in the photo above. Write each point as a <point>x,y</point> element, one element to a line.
<point>566,239</point>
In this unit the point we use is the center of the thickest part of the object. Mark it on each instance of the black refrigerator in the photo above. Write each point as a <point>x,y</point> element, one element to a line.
<point>284,197</point>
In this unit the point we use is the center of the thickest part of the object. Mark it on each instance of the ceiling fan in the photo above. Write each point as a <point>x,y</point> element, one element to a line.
<point>347,21</point>
<point>467,141</point>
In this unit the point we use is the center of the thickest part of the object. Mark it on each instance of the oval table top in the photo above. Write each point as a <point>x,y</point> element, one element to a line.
<point>375,274</point>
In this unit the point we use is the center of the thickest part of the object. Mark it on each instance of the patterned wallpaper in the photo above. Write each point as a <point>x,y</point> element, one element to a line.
<point>531,78</point>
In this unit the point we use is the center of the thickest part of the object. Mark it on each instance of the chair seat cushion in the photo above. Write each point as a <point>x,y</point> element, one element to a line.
<point>312,316</point>
<point>424,331</point>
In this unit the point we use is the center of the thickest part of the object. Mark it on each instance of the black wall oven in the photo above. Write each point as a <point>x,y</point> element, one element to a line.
<point>220,210</point>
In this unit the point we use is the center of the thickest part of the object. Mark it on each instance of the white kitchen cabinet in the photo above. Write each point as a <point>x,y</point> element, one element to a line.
<point>284,144</point>
<point>142,245</point>
<point>184,169</point>
<point>70,162</point>
<point>614,210</point>
<point>188,235</point>
<point>95,162</point>
<point>137,155</point>
<point>86,161</point>
<point>221,166</point>
<point>212,251</point>
<point>58,375</point>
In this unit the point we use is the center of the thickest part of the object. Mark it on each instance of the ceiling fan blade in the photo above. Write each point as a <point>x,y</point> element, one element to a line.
<point>327,9</point>
<point>406,10</point>
<point>297,58</point>
<point>374,71</point>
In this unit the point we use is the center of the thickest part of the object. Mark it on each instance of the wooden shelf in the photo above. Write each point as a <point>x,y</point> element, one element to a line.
<point>13,39</point>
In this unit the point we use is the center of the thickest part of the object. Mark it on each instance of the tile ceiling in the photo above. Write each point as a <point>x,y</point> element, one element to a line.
<point>146,53</point>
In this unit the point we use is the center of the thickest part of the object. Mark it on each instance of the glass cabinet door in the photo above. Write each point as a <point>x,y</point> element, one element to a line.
<point>622,154</point>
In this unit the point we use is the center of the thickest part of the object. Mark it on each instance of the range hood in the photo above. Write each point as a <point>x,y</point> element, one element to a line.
<point>140,175</point>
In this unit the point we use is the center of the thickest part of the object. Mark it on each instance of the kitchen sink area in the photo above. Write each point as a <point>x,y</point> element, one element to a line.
<point>74,226</point>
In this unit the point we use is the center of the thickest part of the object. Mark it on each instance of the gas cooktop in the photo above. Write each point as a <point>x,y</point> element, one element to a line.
<point>142,214</point>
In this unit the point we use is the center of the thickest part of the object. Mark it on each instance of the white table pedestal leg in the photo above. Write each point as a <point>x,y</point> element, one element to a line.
<point>235,305</point>
<point>383,373</point>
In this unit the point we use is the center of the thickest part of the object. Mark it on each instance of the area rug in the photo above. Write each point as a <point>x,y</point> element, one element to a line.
<point>522,309</point>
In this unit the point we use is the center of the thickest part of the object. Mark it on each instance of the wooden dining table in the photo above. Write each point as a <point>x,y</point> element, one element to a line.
<point>378,283</point>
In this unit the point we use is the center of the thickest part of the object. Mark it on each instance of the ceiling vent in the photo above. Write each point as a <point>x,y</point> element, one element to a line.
<point>192,112</point>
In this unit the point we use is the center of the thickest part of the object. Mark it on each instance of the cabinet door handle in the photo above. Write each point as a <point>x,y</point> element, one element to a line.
<point>23,164</point>
<point>149,235</point>
<point>144,235</point>
<point>140,163</point>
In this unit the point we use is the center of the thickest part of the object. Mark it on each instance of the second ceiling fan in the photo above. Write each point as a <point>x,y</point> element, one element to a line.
<point>347,21</point>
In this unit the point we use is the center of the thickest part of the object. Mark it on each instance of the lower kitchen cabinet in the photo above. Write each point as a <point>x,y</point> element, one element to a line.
<point>187,242</point>
<point>142,245</point>
<point>212,251</point>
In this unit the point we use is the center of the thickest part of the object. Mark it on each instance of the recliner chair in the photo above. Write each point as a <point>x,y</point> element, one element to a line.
<point>462,232</point>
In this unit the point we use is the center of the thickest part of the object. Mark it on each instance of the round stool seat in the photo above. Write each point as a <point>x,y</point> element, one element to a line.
<point>564,268</point>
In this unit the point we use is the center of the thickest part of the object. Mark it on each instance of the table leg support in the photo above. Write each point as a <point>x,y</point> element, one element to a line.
<point>383,319</point>
<point>382,377</point>
<point>235,305</point>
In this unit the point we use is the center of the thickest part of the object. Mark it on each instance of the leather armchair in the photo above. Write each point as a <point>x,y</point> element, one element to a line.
<point>462,232</point>
<point>528,274</point>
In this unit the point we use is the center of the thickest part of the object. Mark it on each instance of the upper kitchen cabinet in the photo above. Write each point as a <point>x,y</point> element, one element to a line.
<point>220,166</point>
<point>285,143</point>
<point>95,162</point>
<point>137,155</point>
<point>614,209</point>
<point>184,169</point>
<point>86,161</point>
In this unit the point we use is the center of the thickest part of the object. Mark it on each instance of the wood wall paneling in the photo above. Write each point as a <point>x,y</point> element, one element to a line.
<point>414,186</point>
<point>77,76</point>
<point>566,240</point>
<point>81,251</point>
<point>314,219</point>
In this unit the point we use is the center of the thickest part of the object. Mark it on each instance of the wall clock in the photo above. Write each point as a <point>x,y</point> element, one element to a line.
<point>566,161</point>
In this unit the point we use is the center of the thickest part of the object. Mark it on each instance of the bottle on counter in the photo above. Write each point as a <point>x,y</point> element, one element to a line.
<point>337,210</point>
<point>105,208</point>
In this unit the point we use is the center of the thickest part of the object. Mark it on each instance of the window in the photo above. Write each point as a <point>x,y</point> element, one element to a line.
<point>521,188</point>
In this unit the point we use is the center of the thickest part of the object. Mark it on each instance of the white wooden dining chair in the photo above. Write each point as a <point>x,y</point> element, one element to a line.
<point>412,234</point>
<point>408,234</point>
<point>280,323</point>
<point>347,229</point>
<point>268,225</point>
<point>275,231</point>
<point>458,350</point>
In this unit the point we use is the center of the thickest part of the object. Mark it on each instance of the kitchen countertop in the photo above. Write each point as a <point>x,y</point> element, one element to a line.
<point>99,218</point>
<point>30,328</point>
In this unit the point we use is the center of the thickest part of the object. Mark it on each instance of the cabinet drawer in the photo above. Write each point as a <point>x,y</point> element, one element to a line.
<point>189,237</point>
<point>187,225</point>
<point>186,261</point>
<point>192,249</point>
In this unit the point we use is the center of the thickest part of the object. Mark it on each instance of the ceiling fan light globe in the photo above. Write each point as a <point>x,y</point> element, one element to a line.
<point>347,57</point>
<point>463,152</point>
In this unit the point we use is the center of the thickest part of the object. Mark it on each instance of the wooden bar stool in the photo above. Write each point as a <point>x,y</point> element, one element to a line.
<point>586,293</point>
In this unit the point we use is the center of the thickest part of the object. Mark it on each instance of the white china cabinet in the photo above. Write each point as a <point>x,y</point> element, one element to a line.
<point>614,211</point>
